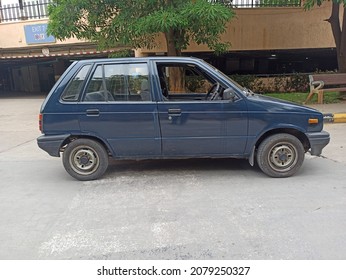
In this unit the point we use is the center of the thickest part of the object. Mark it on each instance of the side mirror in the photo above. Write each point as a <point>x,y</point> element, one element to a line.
<point>229,94</point>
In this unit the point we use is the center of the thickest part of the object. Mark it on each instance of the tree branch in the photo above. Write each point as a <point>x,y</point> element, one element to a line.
<point>334,21</point>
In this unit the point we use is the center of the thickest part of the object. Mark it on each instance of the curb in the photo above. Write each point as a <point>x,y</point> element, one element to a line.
<point>334,118</point>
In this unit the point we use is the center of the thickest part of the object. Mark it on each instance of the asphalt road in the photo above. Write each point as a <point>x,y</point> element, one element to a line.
<point>174,209</point>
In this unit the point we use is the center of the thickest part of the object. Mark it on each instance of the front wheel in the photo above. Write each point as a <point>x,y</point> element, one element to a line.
<point>85,159</point>
<point>280,155</point>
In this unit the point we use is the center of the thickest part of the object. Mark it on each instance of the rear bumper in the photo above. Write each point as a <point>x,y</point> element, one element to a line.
<point>52,144</point>
<point>318,140</point>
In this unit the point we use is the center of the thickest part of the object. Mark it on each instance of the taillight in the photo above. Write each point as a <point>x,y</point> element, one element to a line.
<point>40,118</point>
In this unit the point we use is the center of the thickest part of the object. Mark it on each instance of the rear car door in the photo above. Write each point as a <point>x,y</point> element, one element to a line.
<point>117,107</point>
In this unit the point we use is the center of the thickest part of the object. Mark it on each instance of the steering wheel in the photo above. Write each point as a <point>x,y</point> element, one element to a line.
<point>213,92</point>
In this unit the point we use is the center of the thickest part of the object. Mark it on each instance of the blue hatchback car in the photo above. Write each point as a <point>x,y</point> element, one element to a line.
<point>170,107</point>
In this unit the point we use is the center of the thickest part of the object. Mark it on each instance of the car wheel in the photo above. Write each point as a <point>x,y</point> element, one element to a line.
<point>85,159</point>
<point>280,155</point>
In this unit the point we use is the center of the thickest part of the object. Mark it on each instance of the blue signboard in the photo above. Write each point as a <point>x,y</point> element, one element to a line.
<point>37,34</point>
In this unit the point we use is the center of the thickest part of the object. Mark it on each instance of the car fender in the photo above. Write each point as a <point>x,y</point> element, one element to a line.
<point>273,129</point>
<point>99,139</point>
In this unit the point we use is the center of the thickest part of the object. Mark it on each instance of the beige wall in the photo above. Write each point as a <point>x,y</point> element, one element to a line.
<point>252,29</point>
<point>12,34</point>
<point>274,28</point>
<point>284,28</point>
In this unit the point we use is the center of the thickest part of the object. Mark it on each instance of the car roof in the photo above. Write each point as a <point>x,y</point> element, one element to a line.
<point>140,59</point>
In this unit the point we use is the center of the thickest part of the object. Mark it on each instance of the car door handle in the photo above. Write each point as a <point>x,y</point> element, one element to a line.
<point>92,112</point>
<point>174,112</point>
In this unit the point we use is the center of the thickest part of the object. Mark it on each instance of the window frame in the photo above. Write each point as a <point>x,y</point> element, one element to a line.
<point>104,83</point>
<point>186,65</point>
<point>81,90</point>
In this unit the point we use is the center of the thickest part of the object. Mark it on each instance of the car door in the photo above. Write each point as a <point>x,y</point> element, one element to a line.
<point>117,106</point>
<point>192,126</point>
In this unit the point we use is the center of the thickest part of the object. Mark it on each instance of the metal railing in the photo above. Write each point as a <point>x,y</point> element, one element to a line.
<point>39,8</point>
<point>265,3</point>
<point>258,3</point>
<point>24,11</point>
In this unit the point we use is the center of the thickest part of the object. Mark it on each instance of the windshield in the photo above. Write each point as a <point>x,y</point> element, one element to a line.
<point>227,77</point>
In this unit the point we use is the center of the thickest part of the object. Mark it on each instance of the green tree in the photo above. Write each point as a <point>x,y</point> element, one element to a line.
<point>338,28</point>
<point>137,23</point>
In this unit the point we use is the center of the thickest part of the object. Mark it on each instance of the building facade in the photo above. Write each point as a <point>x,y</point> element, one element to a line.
<point>267,37</point>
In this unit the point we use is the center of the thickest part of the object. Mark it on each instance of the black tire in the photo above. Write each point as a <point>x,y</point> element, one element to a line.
<point>85,159</point>
<point>280,155</point>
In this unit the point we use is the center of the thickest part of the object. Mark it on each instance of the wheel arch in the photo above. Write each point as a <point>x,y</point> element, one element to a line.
<point>71,138</point>
<point>292,131</point>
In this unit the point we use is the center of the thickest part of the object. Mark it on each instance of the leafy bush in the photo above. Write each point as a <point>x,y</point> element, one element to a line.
<point>195,83</point>
<point>282,83</point>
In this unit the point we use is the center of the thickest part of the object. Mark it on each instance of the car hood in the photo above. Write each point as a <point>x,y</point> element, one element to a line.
<point>258,102</point>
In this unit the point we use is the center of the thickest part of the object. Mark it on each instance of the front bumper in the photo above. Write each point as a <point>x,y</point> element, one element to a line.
<point>318,140</point>
<point>52,143</point>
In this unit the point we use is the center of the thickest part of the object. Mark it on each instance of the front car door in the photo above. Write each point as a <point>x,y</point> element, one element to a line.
<point>194,123</point>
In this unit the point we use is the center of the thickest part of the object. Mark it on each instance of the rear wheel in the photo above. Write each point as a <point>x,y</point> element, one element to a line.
<point>280,155</point>
<point>85,159</point>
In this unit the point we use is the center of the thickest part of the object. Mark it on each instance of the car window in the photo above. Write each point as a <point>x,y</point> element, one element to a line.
<point>95,90</point>
<point>183,81</point>
<point>119,82</point>
<point>74,88</point>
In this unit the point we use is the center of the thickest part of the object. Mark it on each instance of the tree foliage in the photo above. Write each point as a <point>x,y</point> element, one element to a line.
<point>137,23</point>
<point>338,28</point>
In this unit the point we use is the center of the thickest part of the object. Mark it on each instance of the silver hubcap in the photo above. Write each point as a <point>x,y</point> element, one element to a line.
<point>282,157</point>
<point>84,160</point>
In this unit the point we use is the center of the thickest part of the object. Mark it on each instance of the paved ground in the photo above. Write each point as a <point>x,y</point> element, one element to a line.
<point>191,209</point>
<point>330,108</point>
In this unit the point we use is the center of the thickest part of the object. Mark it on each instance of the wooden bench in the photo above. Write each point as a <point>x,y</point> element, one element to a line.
<point>320,83</point>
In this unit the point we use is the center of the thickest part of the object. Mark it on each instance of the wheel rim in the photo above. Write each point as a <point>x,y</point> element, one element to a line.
<point>84,160</point>
<point>282,157</point>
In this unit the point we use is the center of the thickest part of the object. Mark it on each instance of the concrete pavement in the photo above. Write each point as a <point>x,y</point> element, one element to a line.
<point>172,209</point>
<point>335,112</point>
<point>329,108</point>
<point>191,209</point>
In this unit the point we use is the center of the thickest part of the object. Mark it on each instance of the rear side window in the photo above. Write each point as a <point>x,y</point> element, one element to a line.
<point>119,82</point>
<point>74,88</point>
<point>95,90</point>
